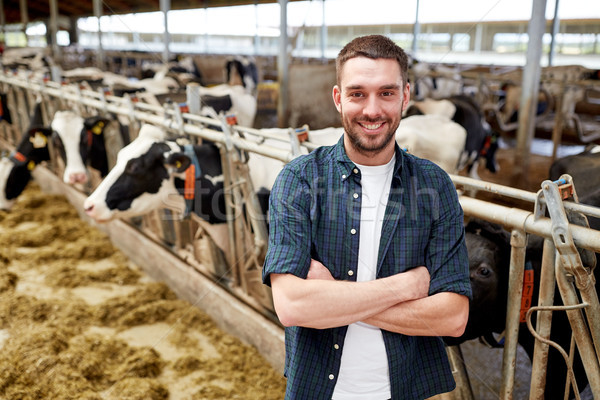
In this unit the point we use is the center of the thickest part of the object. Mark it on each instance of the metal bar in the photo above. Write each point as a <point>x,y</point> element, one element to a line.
<point>580,330</point>
<point>518,241</point>
<point>555,26</point>
<point>514,218</point>
<point>463,390</point>
<point>519,194</point>
<point>283,66</point>
<point>530,85</point>
<point>543,325</point>
<point>559,121</point>
<point>97,5</point>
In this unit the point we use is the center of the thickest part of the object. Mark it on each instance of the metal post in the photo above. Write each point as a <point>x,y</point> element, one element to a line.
<point>165,6</point>
<point>323,33</point>
<point>518,241</point>
<point>2,20</point>
<point>544,322</point>
<point>283,67</point>
<point>416,32</point>
<point>24,18</point>
<point>585,344</point>
<point>100,55</point>
<point>530,85</point>
<point>54,27</point>
<point>256,37</point>
<point>555,26</point>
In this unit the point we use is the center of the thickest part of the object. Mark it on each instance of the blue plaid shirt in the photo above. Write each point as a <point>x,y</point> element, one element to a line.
<point>314,214</point>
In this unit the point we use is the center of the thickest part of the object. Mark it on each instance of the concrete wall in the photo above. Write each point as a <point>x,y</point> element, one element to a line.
<point>310,100</point>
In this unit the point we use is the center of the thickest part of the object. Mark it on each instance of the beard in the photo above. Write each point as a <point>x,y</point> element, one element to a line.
<point>369,145</point>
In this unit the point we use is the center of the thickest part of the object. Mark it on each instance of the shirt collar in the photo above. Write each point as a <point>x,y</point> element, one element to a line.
<point>346,167</point>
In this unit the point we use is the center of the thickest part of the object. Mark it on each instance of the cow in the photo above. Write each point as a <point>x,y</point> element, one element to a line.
<point>433,137</point>
<point>242,71</point>
<point>435,80</point>
<point>480,142</point>
<point>488,247</point>
<point>152,172</point>
<point>15,170</point>
<point>80,141</point>
<point>584,168</point>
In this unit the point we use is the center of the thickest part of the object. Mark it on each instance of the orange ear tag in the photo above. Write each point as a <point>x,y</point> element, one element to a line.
<point>189,188</point>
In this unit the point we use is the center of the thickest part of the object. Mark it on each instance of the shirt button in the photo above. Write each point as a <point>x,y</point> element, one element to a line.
<point>350,272</point>
<point>344,176</point>
<point>353,231</point>
<point>355,170</point>
<point>336,346</point>
<point>331,377</point>
<point>355,195</point>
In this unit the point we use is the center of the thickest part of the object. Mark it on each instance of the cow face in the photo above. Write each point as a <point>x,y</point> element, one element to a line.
<point>79,142</point>
<point>68,127</point>
<point>15,171</point>
<point>91,144</point>
<point>141,181</point>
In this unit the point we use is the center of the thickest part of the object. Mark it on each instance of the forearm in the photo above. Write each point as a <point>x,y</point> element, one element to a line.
<point>318,303</point>
<point>442,314</point>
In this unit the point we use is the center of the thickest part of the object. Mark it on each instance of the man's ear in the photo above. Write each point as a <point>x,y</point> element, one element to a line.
<point>337,98</point>
<point>406,96</point>
<point>179,161</point>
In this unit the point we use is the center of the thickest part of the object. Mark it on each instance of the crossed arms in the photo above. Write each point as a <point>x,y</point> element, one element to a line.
<point>398,303</point>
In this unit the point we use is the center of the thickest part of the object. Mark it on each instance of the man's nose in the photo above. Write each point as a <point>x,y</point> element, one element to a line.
<point>372,107</point>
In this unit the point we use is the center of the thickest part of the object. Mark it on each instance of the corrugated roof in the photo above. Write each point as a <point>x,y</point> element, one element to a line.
<point>39,10</point>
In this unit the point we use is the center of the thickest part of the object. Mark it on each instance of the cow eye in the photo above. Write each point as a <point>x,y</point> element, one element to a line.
<point>483,270</point>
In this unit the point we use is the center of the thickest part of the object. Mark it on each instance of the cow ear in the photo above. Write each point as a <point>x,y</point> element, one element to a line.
<point>95,124</point>
<point>39,137</point>
<point>179,161</point>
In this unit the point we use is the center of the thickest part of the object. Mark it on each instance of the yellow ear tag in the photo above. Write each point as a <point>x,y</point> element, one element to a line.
<point>30,165</point>
<point>38,140</point>
<point>177,164</point>
<point>97,129</point>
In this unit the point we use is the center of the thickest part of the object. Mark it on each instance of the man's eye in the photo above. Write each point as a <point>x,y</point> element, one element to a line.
<point>387,93</point>
<point>356,94</point>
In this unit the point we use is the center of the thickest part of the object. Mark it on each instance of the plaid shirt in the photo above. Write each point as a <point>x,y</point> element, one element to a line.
<point>315,209</point>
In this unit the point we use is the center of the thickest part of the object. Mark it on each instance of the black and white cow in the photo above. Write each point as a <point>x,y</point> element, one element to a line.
<point>153,173</point>
<point>80,141</point>
<point>480,142</point>
<point>488,246</point>
<point>15,170</point>
<point>242,71</point>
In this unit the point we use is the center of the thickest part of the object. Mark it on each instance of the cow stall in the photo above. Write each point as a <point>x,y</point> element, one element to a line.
<point>188,252</point>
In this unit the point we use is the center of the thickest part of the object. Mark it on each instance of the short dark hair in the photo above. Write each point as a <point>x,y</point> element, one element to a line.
<point>374,47</point>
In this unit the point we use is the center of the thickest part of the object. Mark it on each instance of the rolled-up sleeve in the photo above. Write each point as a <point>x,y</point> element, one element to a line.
<point>447,252</point>
<point>289,227</point>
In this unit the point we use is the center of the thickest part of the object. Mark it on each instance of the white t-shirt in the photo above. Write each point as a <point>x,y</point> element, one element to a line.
<point>364,372</point>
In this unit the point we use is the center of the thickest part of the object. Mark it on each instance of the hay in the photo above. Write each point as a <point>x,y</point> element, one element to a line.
<point>62,346</point>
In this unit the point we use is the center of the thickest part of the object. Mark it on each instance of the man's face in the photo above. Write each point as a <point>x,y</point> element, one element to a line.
<point>370,99</point>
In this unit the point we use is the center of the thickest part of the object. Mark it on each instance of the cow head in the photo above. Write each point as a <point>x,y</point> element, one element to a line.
<point>242,71</point>
<point>15,171</point>
<point>77,140</point>
<point>141,180</point>
<point>91,144</point>
<point>488,246</point>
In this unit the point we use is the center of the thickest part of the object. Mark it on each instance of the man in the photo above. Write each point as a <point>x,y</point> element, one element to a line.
<point>366,256</point>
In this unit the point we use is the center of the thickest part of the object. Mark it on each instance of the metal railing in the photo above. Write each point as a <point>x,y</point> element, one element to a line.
<point>234,138</point>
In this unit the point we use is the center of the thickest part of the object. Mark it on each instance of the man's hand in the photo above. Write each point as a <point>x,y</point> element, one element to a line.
<point>318,271</point>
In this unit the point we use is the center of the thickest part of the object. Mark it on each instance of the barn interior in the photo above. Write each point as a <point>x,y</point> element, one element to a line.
<point>539,112</point>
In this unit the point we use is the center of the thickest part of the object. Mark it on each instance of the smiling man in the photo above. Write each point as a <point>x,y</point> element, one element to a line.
<point>366,259</point>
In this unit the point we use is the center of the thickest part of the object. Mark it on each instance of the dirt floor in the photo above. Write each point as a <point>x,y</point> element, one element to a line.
<point>79,321</point>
